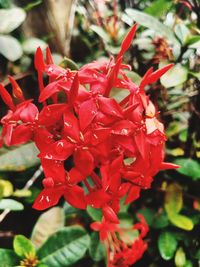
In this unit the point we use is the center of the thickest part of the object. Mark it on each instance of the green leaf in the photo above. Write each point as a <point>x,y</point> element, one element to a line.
<point>189,167</point>
<point>19,158</point>
<point>180,258</point>
<point>99,31</point>
<point>182,32</point>
<point>155,25</point>
<point>11,19</point>
<point>181,221</point>
<point>47,224</point>
<point>158,8</point>
<point>126,220</point>
<point>167,245</point>
<point>65,247</point>
<point>160,221</point>
<point>96,248</point>
<point>8,258</point>
<point>95,214</point>
<point>7,187</point>
<point>195,45</point>
<point>10,47</point>
<point>68,63</point>
<point>31,5</point>
<point>22,193</point>
<point>148,214</point>
<point>175,76</point>
<point>30,45</point>
<point>195,74</point>
<point>23,246</point>
<point>10,204</point>
<point>173,199</point>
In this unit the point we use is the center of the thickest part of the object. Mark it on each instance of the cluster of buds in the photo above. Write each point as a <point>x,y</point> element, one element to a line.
<point>94,150</point>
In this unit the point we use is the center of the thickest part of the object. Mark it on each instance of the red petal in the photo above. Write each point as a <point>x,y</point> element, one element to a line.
<point>158,73</point>
<point>75,196</point>
<point>17,92</point>
<point>98,198</point>
<point>144,80</point>
<point>49,58</point>
<point>29,113</point>
<point>112,78</point>
<point>109,214</point>
<point>133,194</point>
<point>142,144</point>
<point>59,150</point>
<point>74,89</point>
<point>168,165</point>
<point>54,169</point>
<point>49,90</point>
<point>21,134</point>
<point>110,106</point>
<point>71,126</point>
<point>127,41</point>
<point>47,198</point>
<point>39,60</point>
<point>75,176</point>
<point>96,226</point>
<point>6,97</point>
<point>51,114</point>
<point>84,161</point>
<point>87,112</point>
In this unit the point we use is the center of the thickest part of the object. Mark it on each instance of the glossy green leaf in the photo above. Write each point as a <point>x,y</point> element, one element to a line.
<point>181,221</point>
<point>148,214</point>
<point>47,224</point>
<point>65,247</point>
<point>95,214</point>
<point>23,246</point>
<point>10,47</point>
<point>189,167</point>
<point>96,248</point>
<point>10,204</point>
<point>158,8</point>
<point>160,221</point>
<point>167,245</point>
<point>175,76</point>
<point>8,258</point>
<point>173,199</point>
<point>180,258</point>
<point>22,193</point>
<point>19,158</point>
<point>7,188</point>
<point>11,19</point>
<point>154,24</point>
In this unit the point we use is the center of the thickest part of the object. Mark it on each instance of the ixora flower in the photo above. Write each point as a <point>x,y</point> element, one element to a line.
<point>94,150</point>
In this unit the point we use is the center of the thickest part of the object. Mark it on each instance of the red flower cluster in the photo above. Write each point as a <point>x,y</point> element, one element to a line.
<point>115,148</point>
<point>121,250</point>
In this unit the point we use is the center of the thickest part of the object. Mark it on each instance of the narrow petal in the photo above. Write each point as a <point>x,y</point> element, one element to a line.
<point>74,89</point>
<point>6,97</point>
<point>126,43</point>
<point>17,92</point>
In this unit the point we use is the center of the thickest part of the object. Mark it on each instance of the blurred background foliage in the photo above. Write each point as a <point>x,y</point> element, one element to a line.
<point>81,31</point>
